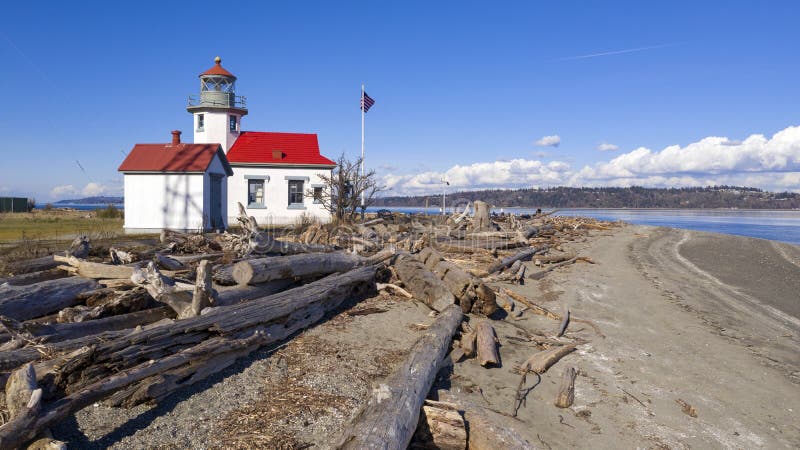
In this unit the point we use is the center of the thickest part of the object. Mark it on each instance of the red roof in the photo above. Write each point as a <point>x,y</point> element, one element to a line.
<point>173,158</point>
<point>257,147</point>
<point>217,69</point>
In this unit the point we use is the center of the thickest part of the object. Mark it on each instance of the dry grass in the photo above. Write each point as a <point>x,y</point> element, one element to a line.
<point>55,224</point>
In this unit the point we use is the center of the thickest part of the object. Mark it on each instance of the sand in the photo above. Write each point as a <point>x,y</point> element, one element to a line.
<point>706,319</point>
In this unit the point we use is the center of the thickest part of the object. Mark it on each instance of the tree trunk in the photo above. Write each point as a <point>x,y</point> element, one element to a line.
<point>423,284</point>
<point>33,277</point>
<point>261,270</point>
<point>472,294</point>
<point>89,269</point>
<point>39,299</point>
<point>487,344</point>
<point>481,220</point>
<point>390,418</point>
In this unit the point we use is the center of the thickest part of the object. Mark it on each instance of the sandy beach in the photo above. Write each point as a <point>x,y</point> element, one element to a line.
<point>705,319</point>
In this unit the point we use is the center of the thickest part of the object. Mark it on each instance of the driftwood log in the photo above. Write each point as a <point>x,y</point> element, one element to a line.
<point>39,299</point>
<point>487,344</point>
<point>566,390</point>
<point>204,342</point>
<point>441,427</point>
<point>423,284</point>
<point>485,430</point>
<point>542,361</point>
<point>524,255</point>
<point>390,418</point>
<point>481,220</point>
<point>261,270</point>
<point>472,294</point>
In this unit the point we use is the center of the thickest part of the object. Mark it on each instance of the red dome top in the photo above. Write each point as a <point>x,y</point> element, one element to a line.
<point>217,69</point>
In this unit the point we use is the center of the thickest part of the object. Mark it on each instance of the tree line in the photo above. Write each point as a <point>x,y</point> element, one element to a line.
<point>611,197</point>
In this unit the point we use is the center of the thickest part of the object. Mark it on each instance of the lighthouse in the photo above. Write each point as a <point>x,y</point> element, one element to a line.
<point>217,111</point>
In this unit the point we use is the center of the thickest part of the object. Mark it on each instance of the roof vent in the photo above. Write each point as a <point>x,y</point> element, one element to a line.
<point>277,154</point>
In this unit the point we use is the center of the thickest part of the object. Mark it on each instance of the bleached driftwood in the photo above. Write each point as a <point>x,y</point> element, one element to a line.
<point>566,390</point>
<point>39,299</point>
<point>423,284</point>
<point>391,415</point>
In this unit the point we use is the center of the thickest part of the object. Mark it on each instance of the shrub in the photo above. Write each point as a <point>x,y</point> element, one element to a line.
<point>109,212</point>
<point>48,207</point>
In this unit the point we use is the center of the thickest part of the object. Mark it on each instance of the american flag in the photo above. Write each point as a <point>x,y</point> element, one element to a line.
<point>366,102</point>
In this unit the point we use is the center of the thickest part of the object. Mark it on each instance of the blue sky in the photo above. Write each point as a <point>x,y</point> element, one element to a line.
<point>463,89</point>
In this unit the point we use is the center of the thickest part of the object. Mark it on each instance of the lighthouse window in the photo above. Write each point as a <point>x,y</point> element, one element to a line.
<point>255,193</point>
<point>232,121</point>
<point>295,192</point>
<point>200,122</point>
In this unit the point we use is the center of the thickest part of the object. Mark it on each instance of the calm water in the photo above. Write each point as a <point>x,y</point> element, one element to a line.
<point>82,207</point>
<point>775,225</point>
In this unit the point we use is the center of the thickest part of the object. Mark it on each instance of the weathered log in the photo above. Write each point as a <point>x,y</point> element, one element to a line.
<point>481,220</point>
<point>423,284</point>
<point>165,290</point>
<point>188,259</point>
<point>33,265</point>
<point>463,215</point>
<point>440,427</point>
<point>485,431</point>
<point>168,263</point>
<point>549,259</point>
<point>395,288</point>
<point>120,257</point>
<point>468,343</point>
<point>18,389</point>
<point>564,322</point>
<point>39,299</point>
<point>540,274</point>
<point>104,305</point>
<point>261,270</point>
<point>533,307</point>
<point>89,269</point>
<point>56,332</point>
<point>520,256</point>
<point>566,390</point>
<point>203,295</point>
<point>542,361</point>
<point>487,344</point>
<point>80,247</point>
<point>119,362</point>
<point>472,294</point>
<point>390,417</point>
<point>536,230</point>
<point>238,294</point>
<point>32,277</point>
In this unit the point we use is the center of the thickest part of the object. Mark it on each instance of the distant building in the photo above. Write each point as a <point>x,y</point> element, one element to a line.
<point>15,204</point>
<point>177,186</point>
<point>272,172</point>
<point>181,185</point>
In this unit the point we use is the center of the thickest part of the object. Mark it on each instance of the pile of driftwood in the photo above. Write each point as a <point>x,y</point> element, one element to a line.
<point>142,323</point>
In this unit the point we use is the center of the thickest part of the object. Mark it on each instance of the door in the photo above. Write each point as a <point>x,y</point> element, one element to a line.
<point>216,202</point>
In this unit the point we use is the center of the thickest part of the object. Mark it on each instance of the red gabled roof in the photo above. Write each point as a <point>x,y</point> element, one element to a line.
<point>257,147</point>
<point>217,69</point>
<point>174,158</point>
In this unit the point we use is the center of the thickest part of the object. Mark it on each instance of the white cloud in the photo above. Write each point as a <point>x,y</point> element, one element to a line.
<point>94,189</point>
<point>91,189</point>
<point>549,141</point>
<point>606,147</point>
<point>769,163</point>
<point>65,190</point>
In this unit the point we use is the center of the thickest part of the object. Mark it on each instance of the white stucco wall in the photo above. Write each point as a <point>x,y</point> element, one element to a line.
<point>216,129</point>
<point>179,201</point>
<point>276,194</point>
<point>154,201</point>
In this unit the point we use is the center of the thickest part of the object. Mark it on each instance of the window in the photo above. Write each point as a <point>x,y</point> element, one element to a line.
<point>232,122</point>
<point>200,122</point>
<point>255,193</point>
<point>317,194</point>
<point>295,192</point>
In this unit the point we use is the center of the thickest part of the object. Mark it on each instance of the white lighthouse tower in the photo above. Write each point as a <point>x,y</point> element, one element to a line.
<point>218,111</point>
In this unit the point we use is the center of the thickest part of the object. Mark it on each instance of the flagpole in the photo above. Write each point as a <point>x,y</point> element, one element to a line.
<point>362,149</point>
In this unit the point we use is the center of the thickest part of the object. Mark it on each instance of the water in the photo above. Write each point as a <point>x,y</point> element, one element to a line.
<point>81,207</point>
<point>765,224</point>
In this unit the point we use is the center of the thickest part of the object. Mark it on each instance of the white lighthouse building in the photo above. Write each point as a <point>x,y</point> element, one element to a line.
<point>217,111</point>
<point>276,175</point>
